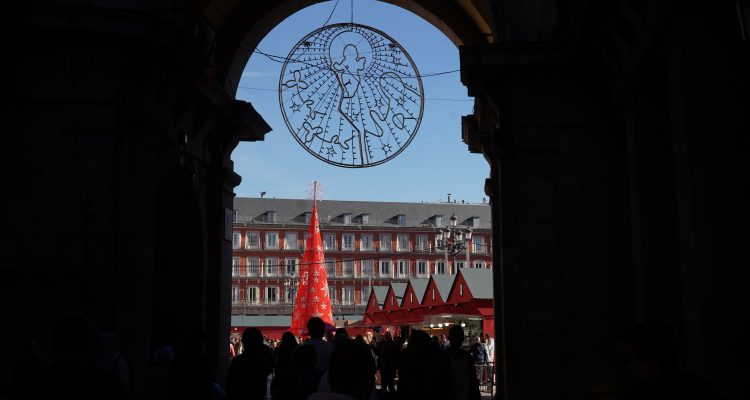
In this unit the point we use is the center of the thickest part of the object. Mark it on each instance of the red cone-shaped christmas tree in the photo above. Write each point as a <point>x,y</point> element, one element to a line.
<point>312,292</point>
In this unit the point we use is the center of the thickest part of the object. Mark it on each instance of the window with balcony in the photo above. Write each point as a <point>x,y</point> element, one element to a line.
<point>385,242</point>
<point>332,294</point>
<point>347,295</point>
<point>440,267</point>
<point>366,266</point>
<point>385,268</point>
<point>402,243</point>
<point>348,269</point>
<point>365,242</point>
<point>236,237</point>
<point>403,268</point>
<point>479,264</point>
<point>459,264</point>
<point>272,266</point>
<point>304,240</point>
<point>421,244</point>
<point>290,267</point>
<point>347,242</point>
<point>252,240</point>
<point>252,266</point>
<point>272,294</point>
<point>422,267</point>
<point>330,267</point>
<point>236,294</point>
<point>251,295</point>
<point>235,266</point>
<point>477,245</point>
<point>272,240</point>
<point>329,241</point>
<point>290,241</point>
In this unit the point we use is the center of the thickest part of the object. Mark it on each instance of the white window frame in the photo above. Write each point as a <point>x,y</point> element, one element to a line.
<point>272,244</point>
<point>424,271</point>
<point>402,267</point>
<point>364,272</point>
<point>381,264</point>
<point>440,263</point>
<point>236,239</point>
<point>381,241</point>
<point>476,246</point>
<point>236,294</point>
<point>459,264</point>
<point>268,298</point>
<point>248,298</point>
<point>347,237</point>
<point>289,295</point>
<point>249,243</point>
<point>347,268</point>
<point>402,243</point>
<point>401,220</point>
<point>235,266</point>
<point>249,266</point>
<point>271,262</point>
<point>421,243</point>
<point>304,240</point>
<point>292,244</point>
<point>347,295</point>
<point>290,264</point>
<point>365,238</point>
<point>332,294</point>
<point>478,264</point>
<point>347,219</point>
<point>330,264</point>
<point>329,242</point>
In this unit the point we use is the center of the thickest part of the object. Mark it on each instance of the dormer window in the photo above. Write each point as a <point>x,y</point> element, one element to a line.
<point>475,222</point>
<point>401,218</point>
<point>438,220</point>
<point>365,219</point>
<point>270,216</point>
<point>346,219</point>
<point>308,217</point>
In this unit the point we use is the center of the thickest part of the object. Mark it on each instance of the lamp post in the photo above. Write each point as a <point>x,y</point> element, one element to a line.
<point>290,285</point>
<point>454,239</point>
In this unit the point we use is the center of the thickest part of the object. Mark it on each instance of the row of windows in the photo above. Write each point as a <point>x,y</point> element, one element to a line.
<point>273,295</point>
<point>348,242</point>
<point>253,267</point>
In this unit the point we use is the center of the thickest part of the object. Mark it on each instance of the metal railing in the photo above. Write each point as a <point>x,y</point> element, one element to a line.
<point>486,377</point>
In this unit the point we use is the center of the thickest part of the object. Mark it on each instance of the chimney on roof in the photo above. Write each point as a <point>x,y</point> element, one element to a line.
<point>262,194</point>
<point>449,197</point>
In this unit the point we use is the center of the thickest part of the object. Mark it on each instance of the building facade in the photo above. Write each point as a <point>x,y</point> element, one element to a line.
<point>366,244</point>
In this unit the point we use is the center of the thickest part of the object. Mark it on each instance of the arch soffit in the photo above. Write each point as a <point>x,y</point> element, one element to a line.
<point>242,24</point>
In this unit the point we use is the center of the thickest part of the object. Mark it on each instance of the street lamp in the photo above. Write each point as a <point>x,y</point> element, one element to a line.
<point>290,285</point>
<point>454,239</point>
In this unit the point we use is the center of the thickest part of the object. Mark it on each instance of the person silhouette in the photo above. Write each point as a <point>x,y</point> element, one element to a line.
<point>281,357</point>
<point>418,370</point>
<point>352,373</point>
<point>247,378</point>
<point>457,375</point>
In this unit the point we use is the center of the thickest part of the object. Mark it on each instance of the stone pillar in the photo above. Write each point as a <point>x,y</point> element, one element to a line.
<point>558,195</point>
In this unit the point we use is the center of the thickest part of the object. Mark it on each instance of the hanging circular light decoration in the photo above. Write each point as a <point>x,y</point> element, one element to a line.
<point>351,95</point>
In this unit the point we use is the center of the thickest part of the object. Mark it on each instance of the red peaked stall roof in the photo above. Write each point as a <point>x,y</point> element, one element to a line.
<point>469,292</point>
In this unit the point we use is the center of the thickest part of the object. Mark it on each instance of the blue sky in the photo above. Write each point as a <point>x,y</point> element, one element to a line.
<point>436,162</point>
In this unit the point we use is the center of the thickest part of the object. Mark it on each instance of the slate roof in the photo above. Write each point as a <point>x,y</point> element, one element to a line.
<point>398,290</point>
<point>479,282</point>
<point>420,286</point>
<point>380,214</point>
<point>380,293</point>
<point>444,283</point>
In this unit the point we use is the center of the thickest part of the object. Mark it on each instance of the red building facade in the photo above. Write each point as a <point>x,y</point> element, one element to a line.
<point>366,244</point>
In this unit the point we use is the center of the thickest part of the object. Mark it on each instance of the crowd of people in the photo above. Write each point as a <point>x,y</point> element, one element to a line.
<point>337,366</point>
<point>71,364</point>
